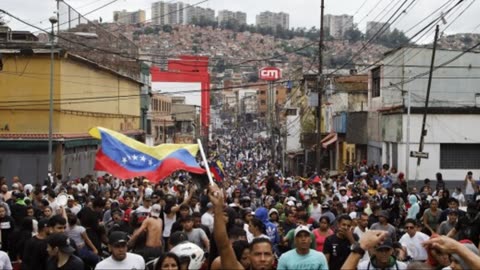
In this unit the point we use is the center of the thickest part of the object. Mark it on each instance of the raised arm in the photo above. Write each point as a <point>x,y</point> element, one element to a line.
<point>369,240</point>
<point>227,254</point>
<point>451,246</point>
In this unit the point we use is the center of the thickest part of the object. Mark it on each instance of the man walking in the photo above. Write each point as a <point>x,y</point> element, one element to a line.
<point>61,253</point>
<point>153,227</point>
<point>120,258</point>
<point>302,257</point>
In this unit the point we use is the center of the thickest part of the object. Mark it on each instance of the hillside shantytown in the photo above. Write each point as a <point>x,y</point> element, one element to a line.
<point>239,135</point>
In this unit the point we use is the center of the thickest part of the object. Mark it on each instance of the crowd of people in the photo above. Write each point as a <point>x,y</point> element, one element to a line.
<point>254,217</point>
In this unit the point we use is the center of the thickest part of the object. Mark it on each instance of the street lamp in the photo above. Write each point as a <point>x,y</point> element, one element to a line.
<point>407,149</point>
<point>53,20</point>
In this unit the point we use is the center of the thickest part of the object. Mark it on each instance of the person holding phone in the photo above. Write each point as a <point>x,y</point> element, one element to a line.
<point>470,187</point>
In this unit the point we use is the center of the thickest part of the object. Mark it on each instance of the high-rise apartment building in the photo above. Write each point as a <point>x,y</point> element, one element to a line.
<point>200,14</point>
<point>337,25</point>
<point>125,17</point>
<point>375,27</point>
<point>160,12</point>
<point>269,19</point>
<point>227,15</point>
<point>178,13</point>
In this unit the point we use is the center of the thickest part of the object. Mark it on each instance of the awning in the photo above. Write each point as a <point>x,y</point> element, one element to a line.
<point>328,137</point>
<point>330,140</point>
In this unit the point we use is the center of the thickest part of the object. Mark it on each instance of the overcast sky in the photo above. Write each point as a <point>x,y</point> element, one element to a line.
<point>303,13</point>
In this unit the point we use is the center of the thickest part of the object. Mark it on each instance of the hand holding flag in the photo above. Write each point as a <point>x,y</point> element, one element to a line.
<point>125,157</point>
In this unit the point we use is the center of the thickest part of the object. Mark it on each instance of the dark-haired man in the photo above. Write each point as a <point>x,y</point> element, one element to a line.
<point>153,227</point>
<point>61,253</point>
<point>120,258</point>
<point>337,245</point>
<point>302,257</point>
<point>35,253</point>
<point>261,249</point>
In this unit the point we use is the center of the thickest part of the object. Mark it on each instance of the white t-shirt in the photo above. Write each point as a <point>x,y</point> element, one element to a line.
<point>5,263</point>
<point>414,245</point>
<point>207,220</point>
<point>132,261</point>
<point>316,212</point>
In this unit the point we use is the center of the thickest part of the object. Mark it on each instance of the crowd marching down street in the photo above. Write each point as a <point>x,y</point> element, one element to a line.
<point>253,216</point>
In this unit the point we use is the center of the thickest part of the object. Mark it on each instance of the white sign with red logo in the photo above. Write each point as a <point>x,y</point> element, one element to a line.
<point>270,73</point>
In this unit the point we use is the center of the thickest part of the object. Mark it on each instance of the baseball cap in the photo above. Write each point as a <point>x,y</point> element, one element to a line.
<point>156,209</point>
<point>387,243</point>
<point>42,223</point>
<point>117,237</point>
<point>178,237</point>
<point>384,214</point>
<point>61,241</point>
<point>301,228</point>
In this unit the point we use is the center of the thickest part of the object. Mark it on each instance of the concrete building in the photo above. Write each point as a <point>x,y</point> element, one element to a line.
<point>86,94</point>
<point>337,25</point>
<point>160,12</point>
<point>269,19</point>
<point>227,15</point>
<point>199,13</point>
<point>162,124</point>
<point>452,139</point>
<point>126,17</point>
<point>375,27</point>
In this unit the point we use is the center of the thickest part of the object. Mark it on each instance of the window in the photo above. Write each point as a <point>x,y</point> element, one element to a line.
<point>376,82</point>
<point>262,92</point>
<point>459,156</point>
<point>263,102</point>
<point>291,112</point>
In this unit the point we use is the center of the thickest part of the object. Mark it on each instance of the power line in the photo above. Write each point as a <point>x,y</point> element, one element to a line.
<point>429,25</point>
<point>379,32</point>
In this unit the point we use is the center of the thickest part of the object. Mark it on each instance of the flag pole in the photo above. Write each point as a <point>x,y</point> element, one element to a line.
<point>204,158</point>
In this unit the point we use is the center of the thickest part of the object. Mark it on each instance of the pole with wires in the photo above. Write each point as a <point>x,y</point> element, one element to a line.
<point>423,131</point>
<point>53,20</point>
<point>319,93</point>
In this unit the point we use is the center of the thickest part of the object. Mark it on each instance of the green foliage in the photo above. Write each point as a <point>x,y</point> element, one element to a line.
<point>167,28</point>
<point>393,39</point>
<point>353,35</point>
<point>148,30</point>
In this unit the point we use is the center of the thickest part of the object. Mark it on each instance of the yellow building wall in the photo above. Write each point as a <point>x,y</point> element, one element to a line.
<point>84,96</point>
<point>25,93</point>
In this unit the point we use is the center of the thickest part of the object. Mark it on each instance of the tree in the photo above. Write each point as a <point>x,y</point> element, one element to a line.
<point>167,28</point>
<point>148,30</point>
<point>353,35</point>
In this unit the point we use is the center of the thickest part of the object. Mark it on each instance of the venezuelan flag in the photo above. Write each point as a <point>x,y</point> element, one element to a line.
<point>217,170</point>
<point>125,157</point>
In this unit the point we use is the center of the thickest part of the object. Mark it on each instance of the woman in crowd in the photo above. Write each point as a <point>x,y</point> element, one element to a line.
<point>322,232</point>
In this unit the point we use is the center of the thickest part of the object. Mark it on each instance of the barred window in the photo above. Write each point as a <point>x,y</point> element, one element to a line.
<point>376,82</point>
<point>459,156</point>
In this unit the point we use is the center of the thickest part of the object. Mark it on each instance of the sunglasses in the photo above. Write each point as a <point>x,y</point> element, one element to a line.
<point>409,227</point>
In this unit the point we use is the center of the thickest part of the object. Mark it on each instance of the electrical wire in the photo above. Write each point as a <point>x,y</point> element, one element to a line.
<point>377,33</point>
<point>430,25</point>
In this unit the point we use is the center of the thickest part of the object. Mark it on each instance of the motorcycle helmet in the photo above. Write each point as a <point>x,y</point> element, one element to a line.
<point>192,252</point>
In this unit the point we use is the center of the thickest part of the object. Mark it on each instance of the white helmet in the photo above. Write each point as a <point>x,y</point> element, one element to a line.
<point>193,252</point>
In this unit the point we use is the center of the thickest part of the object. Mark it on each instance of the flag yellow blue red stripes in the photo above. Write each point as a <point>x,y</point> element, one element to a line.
<point>125,157</point>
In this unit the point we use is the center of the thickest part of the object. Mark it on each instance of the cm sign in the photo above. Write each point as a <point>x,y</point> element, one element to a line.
<point>270,73</point>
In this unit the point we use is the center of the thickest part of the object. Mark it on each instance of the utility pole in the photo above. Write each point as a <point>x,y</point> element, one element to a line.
<point>271,112</point>
<point>53,20</point>
<point>319,92</point>
<point>423,132</point>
